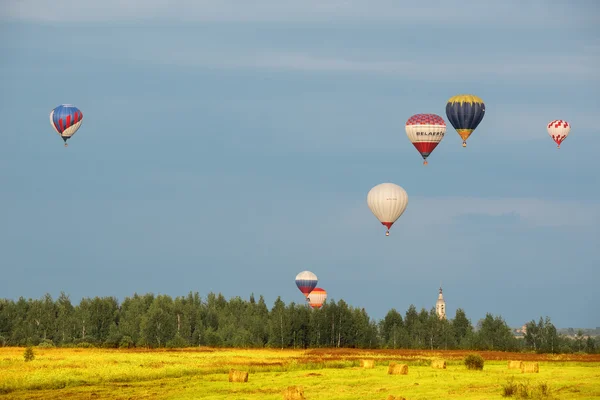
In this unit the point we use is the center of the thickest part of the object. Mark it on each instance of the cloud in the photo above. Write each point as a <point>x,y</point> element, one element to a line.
<point>516,66</point>
<point>531,211</point>
<point>477,13</point>
<point>425,213</point>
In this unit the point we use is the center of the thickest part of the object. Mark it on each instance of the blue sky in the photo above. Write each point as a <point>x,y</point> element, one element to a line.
<point>228,145</point>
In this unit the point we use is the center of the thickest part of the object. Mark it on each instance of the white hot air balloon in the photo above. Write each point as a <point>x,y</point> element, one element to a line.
<point>387,202</point>
<point>559,130</point>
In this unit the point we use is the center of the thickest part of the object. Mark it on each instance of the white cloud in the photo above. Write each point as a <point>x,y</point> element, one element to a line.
<point>531,211</point>
<point>514,67</point>
<point>425,213</point>
<point>526,12</point>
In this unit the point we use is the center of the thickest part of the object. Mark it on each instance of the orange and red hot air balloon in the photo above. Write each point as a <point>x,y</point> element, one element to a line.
<point>317,297</point>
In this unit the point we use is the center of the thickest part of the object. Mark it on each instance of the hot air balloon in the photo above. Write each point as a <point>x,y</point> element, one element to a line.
<point>559,130</point>
<point>317,297</point>
<point>387,201</point>
<point>66,120</point>
<point>306,282</point>
<point>465,112</point>
<point>425,131</point>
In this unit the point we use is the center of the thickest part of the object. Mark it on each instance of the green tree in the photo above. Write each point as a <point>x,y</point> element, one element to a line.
<point>158,325</point>
<point>131,313</point>
<point>279,325</point>
<point>462,328</point>
<point>495,334</point>
<point>392,329</point>
<point>64,319</point>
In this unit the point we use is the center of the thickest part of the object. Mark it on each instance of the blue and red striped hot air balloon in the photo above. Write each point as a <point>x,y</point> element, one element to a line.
<point>66,120</point>
<point>306,282</point>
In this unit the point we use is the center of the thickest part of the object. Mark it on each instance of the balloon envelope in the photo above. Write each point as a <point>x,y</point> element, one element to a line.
<point>559,130</point>
<point>317,297</point>
<point>425,131</point>
<point>306,282</point>
<point>387,202</point>
<point>66,120</point>
<point>465,112</point>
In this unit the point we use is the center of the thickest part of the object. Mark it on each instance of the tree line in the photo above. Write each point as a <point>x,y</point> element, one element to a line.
<point>155,321</point>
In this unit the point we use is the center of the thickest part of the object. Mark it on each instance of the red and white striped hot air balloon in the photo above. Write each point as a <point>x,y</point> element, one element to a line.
<point>317,297</point>
<point>425,131</point>
<point>559,130</point>
<point>387,202</point>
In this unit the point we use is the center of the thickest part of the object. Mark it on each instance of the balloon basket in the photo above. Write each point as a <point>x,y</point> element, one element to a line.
<point>387,233</point>
<point>66,145</point>
<point>464,144</point>
<point>425,162</point>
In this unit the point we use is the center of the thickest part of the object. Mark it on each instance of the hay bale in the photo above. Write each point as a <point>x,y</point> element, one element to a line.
<point>367,363</point>
<point>294,393</point>
<point>438,364</point>
<point>530,367</point>
<point>238,376</point>
<point>397,369</point>
<point>515,364</point>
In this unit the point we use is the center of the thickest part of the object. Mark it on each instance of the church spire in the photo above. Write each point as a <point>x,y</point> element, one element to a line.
<point>440,305</point>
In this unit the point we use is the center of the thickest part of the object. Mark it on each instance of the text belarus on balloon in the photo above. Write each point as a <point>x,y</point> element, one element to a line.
<point>465,112</point>
<point>559,130</point>
<point>425,132</point>
<point>66,120</point>
<point>317,297</point>
<point>387,202</point>
<point>306,282</point>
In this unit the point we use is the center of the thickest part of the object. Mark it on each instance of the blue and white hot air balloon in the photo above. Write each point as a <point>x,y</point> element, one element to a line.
<point>66,120</point>
<point>306,282</point>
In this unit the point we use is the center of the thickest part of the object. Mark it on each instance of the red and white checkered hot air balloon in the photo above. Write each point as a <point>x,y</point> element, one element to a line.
<point>559,130</point>
<point>425,131</point>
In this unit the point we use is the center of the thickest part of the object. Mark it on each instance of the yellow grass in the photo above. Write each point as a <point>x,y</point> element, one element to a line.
<point>203,374</point>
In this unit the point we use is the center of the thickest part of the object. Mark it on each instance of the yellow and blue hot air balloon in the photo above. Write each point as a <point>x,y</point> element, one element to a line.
<point>465,112</point>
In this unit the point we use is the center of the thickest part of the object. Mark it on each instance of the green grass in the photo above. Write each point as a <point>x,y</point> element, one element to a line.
<point>203,374</point>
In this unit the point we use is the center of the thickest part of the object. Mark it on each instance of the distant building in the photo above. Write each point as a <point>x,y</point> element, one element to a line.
<point>440,306</point>
<point>520,332</point>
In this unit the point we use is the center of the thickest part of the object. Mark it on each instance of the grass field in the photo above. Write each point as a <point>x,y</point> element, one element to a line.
<point>202,373</point>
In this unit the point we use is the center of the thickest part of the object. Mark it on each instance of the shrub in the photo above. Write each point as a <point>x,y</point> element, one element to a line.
<point>126,342</point>
<point>474,361</point>
<point>177,342</point>
<point>510,388</point>
<point>28,355</point>
<point>46,343</point>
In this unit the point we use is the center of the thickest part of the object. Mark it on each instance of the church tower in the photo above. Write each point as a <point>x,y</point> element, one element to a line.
<point>440,306</point>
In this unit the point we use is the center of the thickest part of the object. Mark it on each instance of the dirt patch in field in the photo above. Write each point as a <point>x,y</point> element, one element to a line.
<point>312,374</point>
<point>226,363</point>
<point>416,355</point>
